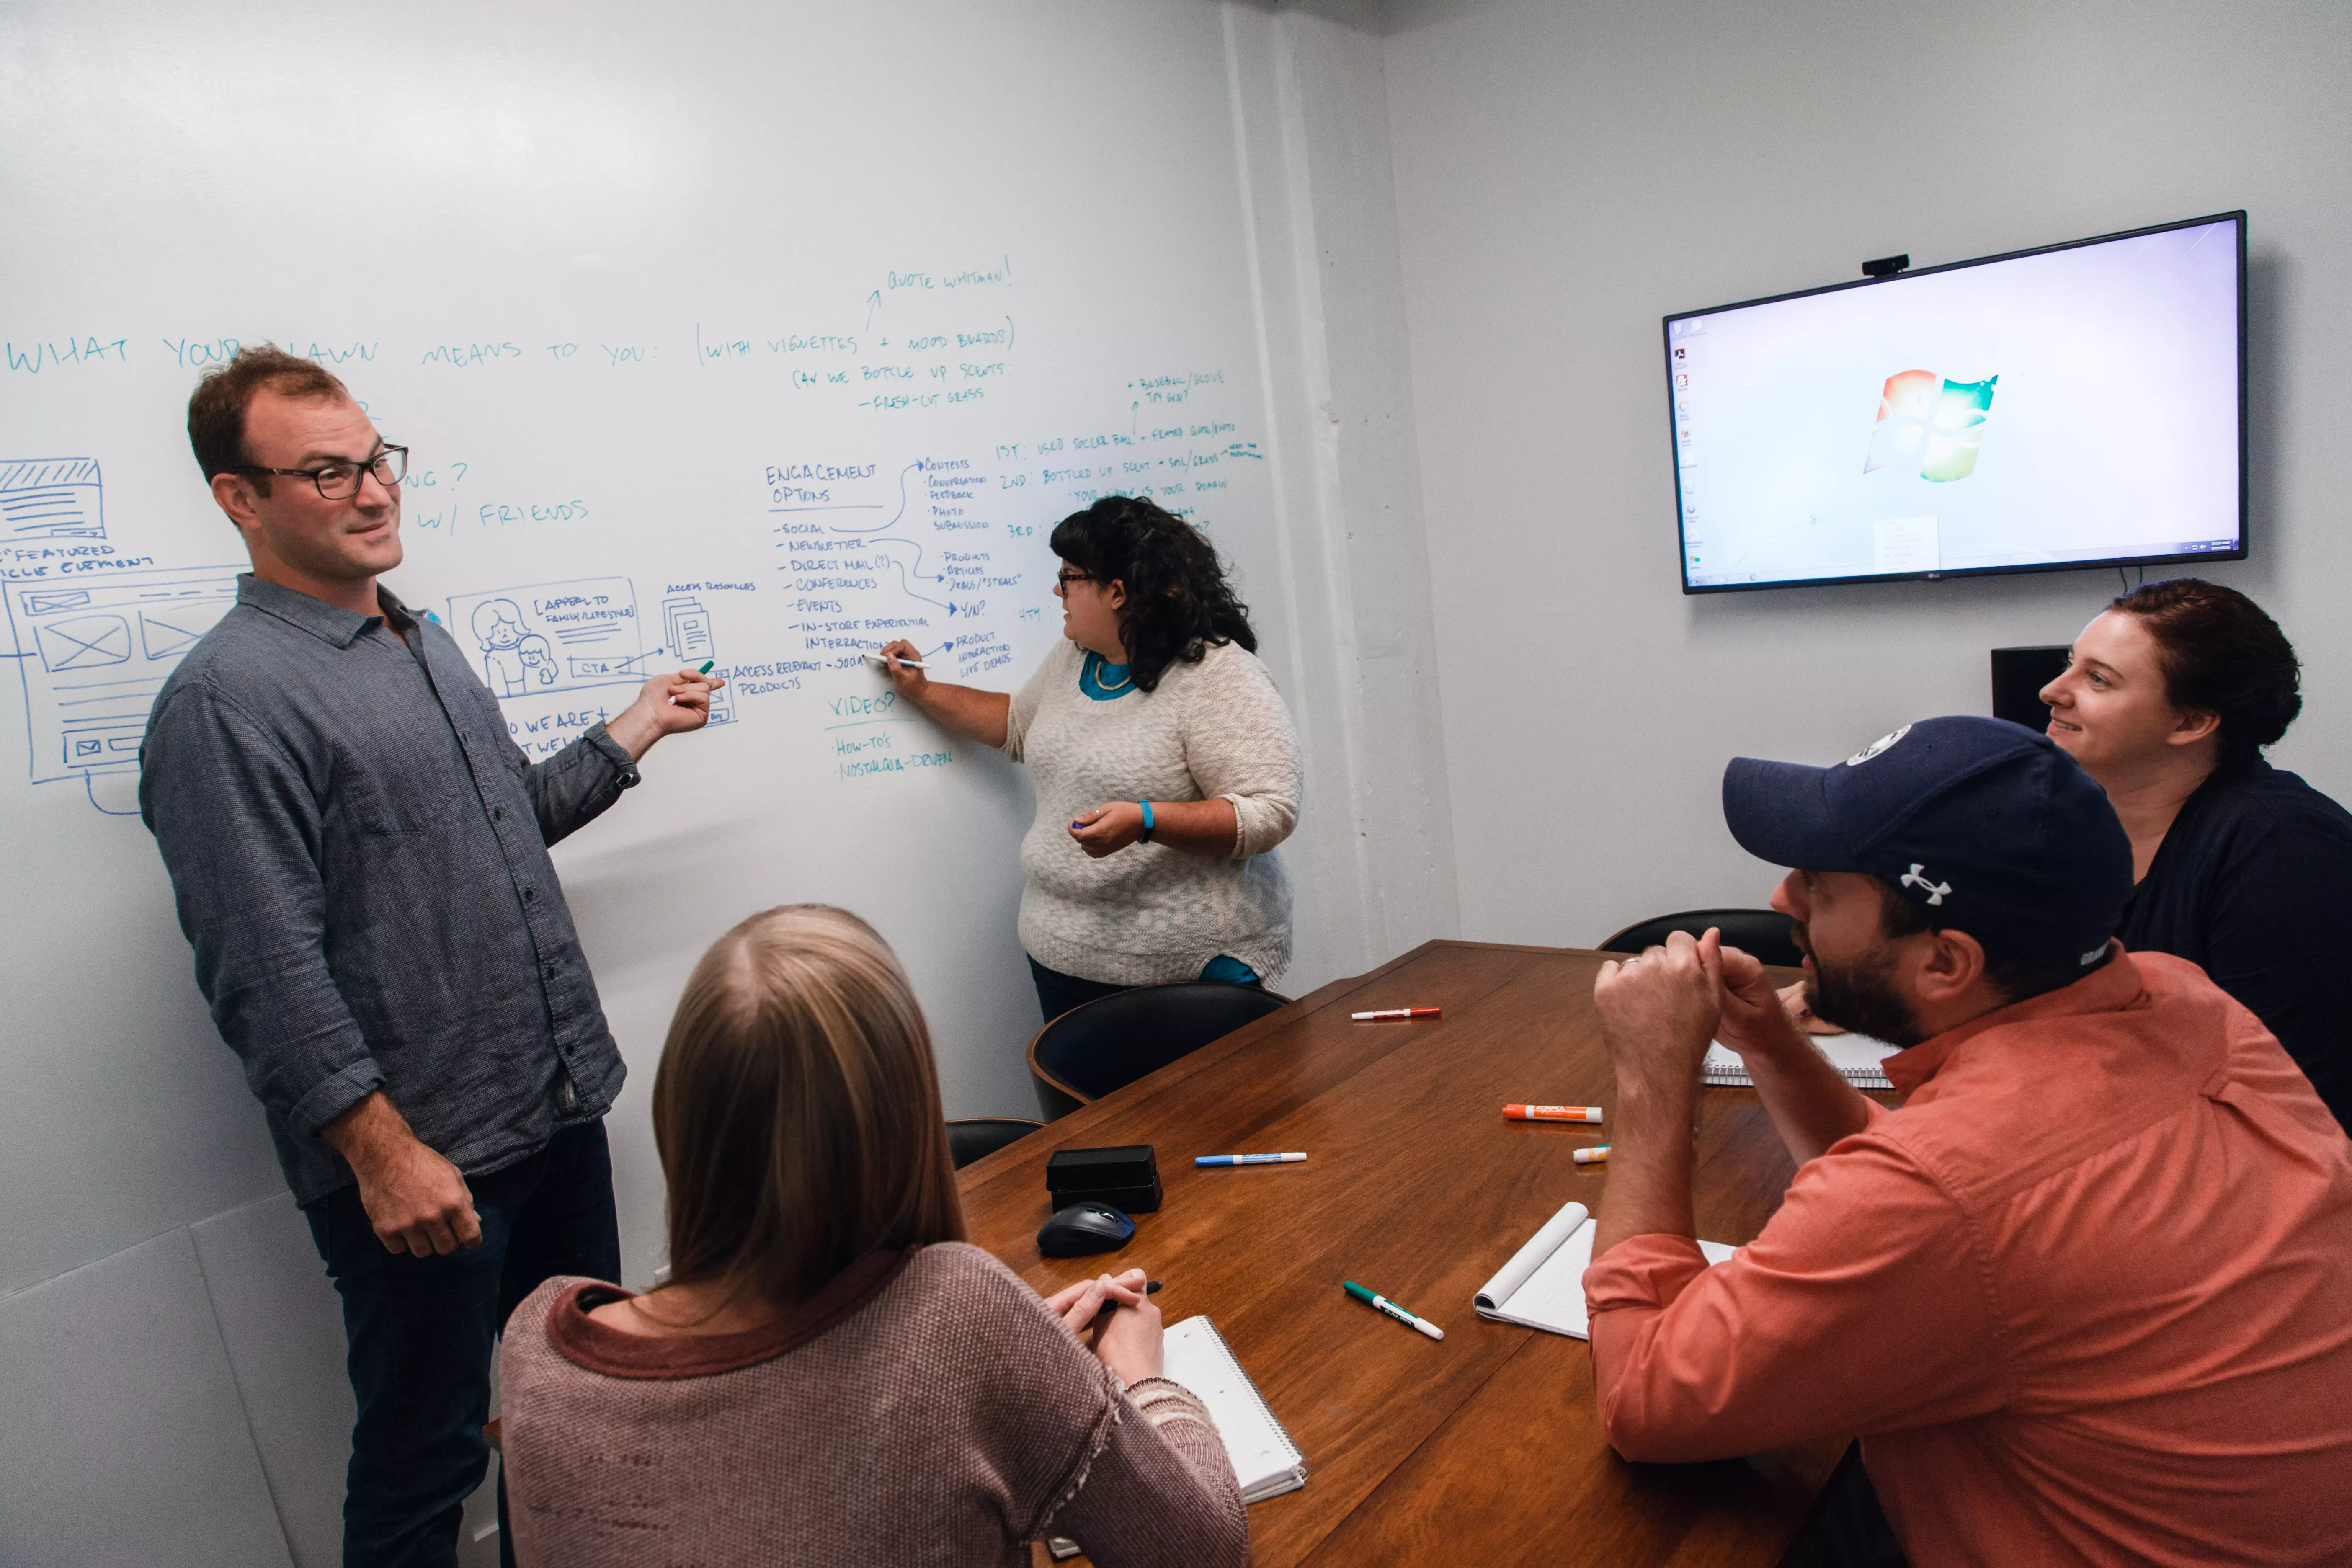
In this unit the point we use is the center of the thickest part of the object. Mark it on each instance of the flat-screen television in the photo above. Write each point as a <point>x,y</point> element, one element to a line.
<point>2081,404</point>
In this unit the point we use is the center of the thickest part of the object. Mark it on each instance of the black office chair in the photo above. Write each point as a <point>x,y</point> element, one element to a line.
<point>1763,933</point>
<point>1110,1042</point>
<point>978,1137</point>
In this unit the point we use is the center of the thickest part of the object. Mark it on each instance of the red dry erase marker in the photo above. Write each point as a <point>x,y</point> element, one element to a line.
<point>1396,1013</point>
<point>1552,1112</point>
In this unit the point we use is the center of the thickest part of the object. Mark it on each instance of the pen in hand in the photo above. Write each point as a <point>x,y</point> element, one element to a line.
<point>1109,1307</point>
<point>680,702</point>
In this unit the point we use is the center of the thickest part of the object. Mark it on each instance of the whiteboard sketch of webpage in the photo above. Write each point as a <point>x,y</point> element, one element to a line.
<point>58,498</point>
<point>95,632</point>
<point>94,653</point>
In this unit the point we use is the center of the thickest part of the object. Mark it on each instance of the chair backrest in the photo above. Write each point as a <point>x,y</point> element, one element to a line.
<point>1110,1042</point>
<point>1761,932</point>
<point>978,1137</point>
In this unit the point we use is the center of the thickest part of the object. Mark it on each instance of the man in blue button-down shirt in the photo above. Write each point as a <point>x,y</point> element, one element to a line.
<point>359,853</point>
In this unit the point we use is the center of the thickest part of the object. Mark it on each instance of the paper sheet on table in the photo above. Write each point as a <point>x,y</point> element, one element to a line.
<point>1542,1287</point>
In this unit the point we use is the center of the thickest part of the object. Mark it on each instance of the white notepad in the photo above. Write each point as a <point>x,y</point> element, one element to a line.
<point>1856,1058</point>
<point>1542,1287</point>
<point>1265,1461</point>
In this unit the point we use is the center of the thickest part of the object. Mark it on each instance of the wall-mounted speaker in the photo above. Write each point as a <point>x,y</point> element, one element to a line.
<point>2019,674</point>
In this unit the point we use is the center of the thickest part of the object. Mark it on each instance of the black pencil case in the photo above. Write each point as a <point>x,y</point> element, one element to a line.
<point>1126,1177</point>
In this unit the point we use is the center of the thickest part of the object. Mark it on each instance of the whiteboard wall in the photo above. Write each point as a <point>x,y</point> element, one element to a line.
<point>758,334</point>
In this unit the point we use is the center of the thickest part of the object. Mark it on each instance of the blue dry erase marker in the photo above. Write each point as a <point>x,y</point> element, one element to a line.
<point>1291,1159</point>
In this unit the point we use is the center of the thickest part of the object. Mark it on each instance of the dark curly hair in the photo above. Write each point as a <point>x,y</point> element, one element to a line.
<point>1178,604</point>
<point>2221,653</point>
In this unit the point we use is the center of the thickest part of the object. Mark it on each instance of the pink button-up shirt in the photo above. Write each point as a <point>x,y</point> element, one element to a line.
<point>2087,1297</point>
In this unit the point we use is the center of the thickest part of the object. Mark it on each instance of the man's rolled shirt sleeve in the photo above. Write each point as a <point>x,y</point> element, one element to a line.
<point>1862,1307</point>
<point>576,785</point>
<point>239,826</point>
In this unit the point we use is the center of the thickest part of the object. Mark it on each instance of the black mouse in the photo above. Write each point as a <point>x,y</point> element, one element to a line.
<point>1082,1228</point>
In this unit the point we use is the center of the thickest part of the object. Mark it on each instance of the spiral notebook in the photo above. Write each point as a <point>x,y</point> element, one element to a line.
<point>1856,1058</point>
<point>1542,1287</point>
<point>1265,1461</point>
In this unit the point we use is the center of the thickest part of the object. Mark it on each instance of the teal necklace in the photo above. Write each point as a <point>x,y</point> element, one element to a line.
<point>1103,681</point>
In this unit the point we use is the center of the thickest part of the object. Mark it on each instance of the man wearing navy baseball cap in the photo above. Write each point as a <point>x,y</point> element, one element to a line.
<point>2082,1297</point>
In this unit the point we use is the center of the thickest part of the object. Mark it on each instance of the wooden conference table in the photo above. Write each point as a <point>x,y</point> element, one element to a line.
<point>1483,1448</point>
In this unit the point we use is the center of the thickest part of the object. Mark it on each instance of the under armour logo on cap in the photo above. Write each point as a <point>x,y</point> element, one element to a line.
<point>1935,890</point>
<point>1995,808</point>
<point>1875,747</point>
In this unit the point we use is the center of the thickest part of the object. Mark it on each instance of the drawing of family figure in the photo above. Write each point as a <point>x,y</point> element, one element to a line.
<point>513,656</point>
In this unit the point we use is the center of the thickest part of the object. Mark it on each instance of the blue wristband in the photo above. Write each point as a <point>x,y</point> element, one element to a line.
<point>1146,836</point>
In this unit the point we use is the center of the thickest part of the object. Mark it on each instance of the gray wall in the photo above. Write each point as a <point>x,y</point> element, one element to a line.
<point>1566,174</point>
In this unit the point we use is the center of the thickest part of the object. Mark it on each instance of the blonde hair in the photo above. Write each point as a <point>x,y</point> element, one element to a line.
<point>796,1108</point>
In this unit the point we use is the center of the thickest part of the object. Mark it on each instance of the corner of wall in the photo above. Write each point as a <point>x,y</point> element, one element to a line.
<point>1310,117</point>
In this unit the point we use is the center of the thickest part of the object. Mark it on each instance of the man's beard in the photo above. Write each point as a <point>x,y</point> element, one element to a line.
<point>1861,996</point>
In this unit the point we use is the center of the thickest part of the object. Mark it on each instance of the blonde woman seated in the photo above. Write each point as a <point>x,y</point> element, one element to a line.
<point>832,1374</point>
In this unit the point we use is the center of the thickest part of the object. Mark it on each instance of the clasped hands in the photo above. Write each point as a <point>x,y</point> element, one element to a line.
<point>1129,1341</point>
<point>1660,1010</point>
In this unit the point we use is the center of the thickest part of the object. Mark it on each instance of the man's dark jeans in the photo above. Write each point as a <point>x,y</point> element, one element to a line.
<point>1847,1529</point>
<point>421,1329</point>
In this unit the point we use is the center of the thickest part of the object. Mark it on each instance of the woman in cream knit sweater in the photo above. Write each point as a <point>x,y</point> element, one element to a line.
<point>1165,765</point>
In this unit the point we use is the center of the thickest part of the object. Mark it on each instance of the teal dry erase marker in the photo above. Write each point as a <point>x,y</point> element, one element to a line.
<point>1387,1308</point>
<point>679,701</point>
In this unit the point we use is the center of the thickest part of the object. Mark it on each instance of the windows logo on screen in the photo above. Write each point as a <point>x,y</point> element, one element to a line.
<point>1931,424</point>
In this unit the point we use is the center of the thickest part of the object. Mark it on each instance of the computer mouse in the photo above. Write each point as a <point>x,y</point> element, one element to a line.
<point>1082,1228</point>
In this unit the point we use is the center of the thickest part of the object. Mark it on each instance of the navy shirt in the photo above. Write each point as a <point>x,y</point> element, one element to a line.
<point>2251,883</point>
<point>359,853</point>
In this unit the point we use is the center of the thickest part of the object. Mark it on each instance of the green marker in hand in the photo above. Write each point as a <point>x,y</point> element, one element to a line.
<point>704,671</point>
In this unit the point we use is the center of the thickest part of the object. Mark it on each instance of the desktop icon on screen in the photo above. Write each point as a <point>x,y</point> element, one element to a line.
<point>1930,424</point>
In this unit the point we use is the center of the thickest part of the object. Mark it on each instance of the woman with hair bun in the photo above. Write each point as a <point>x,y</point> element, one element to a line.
<point>1165,764</point>
<point>2169,698</point>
